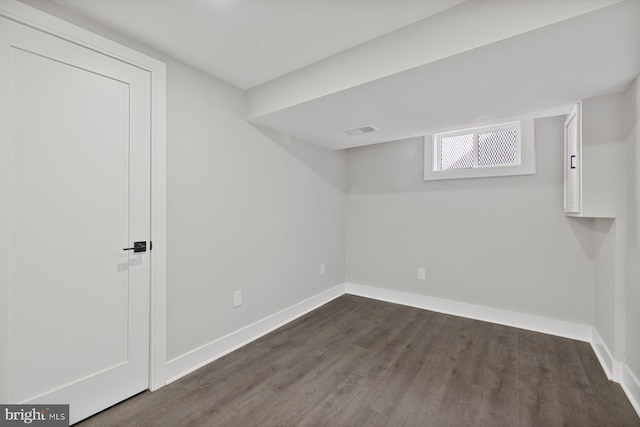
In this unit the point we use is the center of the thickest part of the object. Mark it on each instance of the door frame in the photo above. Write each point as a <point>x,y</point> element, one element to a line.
<point>27,15</point>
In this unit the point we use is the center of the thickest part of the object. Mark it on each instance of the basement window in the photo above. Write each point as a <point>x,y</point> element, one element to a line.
<point>493,150</point>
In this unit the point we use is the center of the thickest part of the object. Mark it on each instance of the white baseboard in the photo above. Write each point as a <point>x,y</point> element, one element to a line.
<point>612,368</point>
<point>197,358</point>
<point>561,328</point>
<point>631,387</point>
<point>616,371</point>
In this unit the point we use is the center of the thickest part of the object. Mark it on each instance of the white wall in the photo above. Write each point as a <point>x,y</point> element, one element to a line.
<point>243,211</point>
<point>632,290</point>
<point>499,242</point>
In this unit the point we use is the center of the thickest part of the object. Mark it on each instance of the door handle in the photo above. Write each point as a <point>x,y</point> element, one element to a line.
<point>137,247</point>
<point>573,162</point>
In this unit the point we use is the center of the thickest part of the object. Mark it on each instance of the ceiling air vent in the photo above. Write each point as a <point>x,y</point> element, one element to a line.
<point>360,130</point>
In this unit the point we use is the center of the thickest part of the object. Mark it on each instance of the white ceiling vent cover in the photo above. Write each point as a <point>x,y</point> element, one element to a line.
<point>361,129</point>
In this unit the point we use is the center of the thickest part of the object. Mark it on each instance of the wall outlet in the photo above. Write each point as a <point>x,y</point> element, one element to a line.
<point>237,299</point>
<point>323,270</point>
<point>422,274</point>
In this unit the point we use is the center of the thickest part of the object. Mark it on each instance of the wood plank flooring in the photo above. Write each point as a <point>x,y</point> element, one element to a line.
<point>361,362</point>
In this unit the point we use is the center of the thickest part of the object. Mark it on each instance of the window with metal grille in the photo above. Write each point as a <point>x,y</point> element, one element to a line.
<point>486,151</point>
<point>489,146</point>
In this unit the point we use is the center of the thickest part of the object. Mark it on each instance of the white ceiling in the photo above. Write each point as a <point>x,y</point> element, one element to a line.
<point>408,67</point>
<point>546,69</point>
<point>249,42</point>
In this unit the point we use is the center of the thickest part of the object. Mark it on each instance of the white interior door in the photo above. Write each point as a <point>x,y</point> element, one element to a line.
<point>78,193</point>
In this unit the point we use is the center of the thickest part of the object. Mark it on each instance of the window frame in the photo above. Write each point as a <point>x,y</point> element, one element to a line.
<point>524,163</point>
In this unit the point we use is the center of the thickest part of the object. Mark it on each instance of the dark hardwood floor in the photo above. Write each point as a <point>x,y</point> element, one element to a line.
<point>361,362</point>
